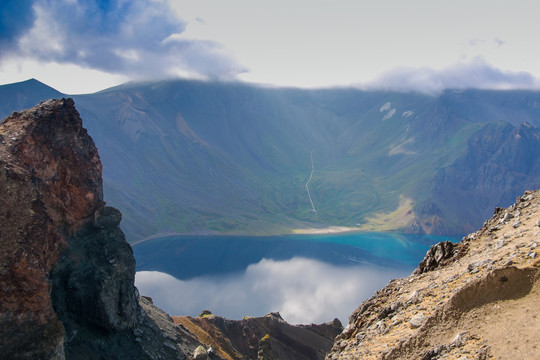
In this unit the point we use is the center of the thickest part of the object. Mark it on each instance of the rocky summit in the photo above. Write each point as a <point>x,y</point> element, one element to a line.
<point>478,299</point>
<point>66,270</point>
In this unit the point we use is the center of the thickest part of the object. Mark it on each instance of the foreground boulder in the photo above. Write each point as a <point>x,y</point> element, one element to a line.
<point>66,271</point>
<point>478,299</point>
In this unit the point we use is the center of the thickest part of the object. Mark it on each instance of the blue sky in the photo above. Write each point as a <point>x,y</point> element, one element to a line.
<point>82,46</point>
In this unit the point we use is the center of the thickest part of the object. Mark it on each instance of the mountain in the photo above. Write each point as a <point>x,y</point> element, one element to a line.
<point>214,158</point>
<point>23,95</point>
<point>476,299</point>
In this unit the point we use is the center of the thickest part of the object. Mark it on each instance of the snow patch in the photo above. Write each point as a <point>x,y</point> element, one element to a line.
<point>389,114</point>
<point>385,107</point>
<point>407,113</point>
<point>401,148</point>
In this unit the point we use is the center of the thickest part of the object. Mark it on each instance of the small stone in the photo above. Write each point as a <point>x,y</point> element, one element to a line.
<point>517,224</point>
<point>532,255</point>
<point>500,243</point>
<point>380,327</point>
<point>459,340</point>
<point>200,353</point>
<point>507,216</point>
<point>473,267</point>
<point>538,223</point>
<point>415,297</point>
<point>417,320</point>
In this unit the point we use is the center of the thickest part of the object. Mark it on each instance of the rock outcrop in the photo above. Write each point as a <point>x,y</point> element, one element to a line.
<point>264,338</point>
<point>66,270</point>
<point>477,299</point>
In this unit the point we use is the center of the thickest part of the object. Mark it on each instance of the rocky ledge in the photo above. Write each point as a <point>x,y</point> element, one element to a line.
<point>478,299</point>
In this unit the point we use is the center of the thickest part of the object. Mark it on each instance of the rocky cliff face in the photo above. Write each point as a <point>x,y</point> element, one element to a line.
<point>478,299</point>
<point>66,270</point>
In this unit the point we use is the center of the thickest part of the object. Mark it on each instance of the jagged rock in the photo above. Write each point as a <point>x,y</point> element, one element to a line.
<point>436,257</point>
<point>66,271</point>
<point>50,174</point>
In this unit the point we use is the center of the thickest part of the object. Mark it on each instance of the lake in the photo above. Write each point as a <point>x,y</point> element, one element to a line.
<point>307,278</point>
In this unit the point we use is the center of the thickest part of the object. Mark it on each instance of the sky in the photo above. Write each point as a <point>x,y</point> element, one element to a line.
<point>302,290</point>
<point>81,46</point>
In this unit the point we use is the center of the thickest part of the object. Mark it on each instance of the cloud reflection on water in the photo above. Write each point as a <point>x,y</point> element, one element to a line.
<point>302,290</point>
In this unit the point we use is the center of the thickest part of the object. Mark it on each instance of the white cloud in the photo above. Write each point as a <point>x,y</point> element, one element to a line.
<point>118,37</point>
<point>474,74</point>
<point>302,290</point>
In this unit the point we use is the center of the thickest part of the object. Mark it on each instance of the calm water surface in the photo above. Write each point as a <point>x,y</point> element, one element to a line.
<point>185,257</point>
<point>307,278</point>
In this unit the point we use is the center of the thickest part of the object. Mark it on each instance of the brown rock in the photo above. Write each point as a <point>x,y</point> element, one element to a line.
<point>66,271</point>
<point>50,176</point>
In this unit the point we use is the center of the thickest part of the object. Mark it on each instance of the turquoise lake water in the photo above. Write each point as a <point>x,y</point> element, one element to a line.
<point>186,257</point>
<point>307,278</point>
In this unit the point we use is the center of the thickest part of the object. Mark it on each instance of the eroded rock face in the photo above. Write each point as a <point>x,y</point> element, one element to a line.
<point>50,176</point>
<point>66,271</point>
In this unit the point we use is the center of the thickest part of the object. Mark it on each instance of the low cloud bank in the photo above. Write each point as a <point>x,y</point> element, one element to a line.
<point>302,290</point>
<point>475,74</point>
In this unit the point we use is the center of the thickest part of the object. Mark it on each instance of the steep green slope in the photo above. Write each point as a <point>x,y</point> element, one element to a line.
<point>199,157</point>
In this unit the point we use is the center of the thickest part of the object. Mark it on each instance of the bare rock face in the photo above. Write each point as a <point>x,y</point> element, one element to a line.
<point>440,255</point>
<point>472,300</point>
<point>50,176</point>
<point>66,270</point>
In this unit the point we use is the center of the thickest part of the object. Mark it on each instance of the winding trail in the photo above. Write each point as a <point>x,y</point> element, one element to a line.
<point>307,184</point>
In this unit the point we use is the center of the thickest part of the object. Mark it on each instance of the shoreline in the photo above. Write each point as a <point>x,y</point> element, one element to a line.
<point>326,230</point>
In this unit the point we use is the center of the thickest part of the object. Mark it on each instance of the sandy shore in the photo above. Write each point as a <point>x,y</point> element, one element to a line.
<point>326,230</point>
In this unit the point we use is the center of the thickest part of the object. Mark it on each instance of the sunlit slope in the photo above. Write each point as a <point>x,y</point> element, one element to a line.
<point>195,157</point>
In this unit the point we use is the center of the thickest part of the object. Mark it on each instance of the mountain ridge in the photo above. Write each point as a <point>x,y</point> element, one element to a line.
<point>194,157</point>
